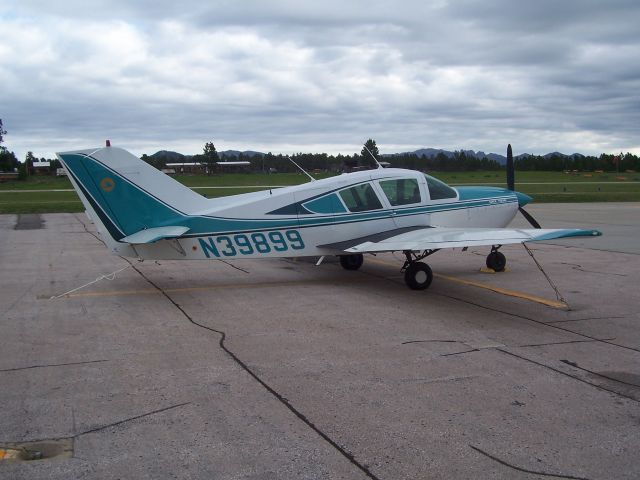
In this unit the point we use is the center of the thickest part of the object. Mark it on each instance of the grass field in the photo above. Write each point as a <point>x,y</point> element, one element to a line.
<point>49,195</point>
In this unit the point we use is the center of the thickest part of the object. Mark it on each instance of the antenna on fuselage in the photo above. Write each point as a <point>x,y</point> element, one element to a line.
<point>373,156</point>
<point>301,169</point>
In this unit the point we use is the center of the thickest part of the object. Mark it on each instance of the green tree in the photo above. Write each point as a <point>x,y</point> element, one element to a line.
<point>211,156</point>
<point>157,162</point>
<point>370,148</point>
<point>28,161</point>
<point>8,160</point>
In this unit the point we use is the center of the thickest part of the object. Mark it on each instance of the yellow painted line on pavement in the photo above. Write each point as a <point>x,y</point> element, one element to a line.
<point>502,291</point>
<point>239,286</point>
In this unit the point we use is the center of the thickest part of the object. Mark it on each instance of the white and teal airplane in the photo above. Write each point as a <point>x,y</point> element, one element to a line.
<point>142,213</point>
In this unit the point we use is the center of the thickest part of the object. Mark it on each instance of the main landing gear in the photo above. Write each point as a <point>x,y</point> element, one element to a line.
<point>496,261</point>
<point>351,262</point>
<point>417,274</point>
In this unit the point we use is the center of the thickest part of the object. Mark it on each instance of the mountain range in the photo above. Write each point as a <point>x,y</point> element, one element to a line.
<point>501,159</point>
<point>175,157</point>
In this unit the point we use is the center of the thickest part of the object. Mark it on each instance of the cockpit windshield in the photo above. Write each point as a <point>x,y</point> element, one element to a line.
<point>439,190</point>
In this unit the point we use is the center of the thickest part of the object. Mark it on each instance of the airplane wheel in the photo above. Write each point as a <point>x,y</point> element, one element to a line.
<point>351,262</point>
<point>496,261</point>
<point>418,276</point>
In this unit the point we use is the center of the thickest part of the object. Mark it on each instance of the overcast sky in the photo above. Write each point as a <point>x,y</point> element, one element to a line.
<point>291,75</point>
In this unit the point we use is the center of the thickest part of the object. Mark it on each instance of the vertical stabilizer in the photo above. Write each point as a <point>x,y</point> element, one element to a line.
<point>127,195</point>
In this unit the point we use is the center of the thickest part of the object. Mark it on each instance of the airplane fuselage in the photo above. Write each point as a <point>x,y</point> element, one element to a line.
<point>305,220</point>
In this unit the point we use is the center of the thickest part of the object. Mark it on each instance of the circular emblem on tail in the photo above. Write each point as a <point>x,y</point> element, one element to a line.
<point>107,184</point>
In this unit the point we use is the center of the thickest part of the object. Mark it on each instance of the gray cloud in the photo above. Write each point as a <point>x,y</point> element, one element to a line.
<point>294,76</point>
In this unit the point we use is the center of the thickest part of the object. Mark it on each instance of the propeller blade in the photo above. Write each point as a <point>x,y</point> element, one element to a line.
<point>511,183</point>
<point>529,218</point>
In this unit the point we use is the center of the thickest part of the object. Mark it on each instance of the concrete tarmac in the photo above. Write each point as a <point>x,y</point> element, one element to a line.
<point>278,369</point>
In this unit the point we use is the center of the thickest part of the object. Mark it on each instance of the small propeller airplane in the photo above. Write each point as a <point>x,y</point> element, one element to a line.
<point>142,213</point>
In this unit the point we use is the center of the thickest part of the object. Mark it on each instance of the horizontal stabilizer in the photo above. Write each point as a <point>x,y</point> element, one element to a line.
<point>151,235</point>
<point>439,237</point>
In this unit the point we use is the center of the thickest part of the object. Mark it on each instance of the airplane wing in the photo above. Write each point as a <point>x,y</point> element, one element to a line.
<point>433,238</point>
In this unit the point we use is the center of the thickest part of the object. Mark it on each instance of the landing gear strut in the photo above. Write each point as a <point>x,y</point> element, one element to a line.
<point>417,274</point>
<point>496,261</point>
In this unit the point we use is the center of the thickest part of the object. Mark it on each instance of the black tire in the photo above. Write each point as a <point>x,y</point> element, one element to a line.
<point>496,261</point>
<point>418,276</point>
<point>351,262</point>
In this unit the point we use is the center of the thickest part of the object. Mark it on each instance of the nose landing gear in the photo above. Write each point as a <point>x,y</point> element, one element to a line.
<point>496,261</point>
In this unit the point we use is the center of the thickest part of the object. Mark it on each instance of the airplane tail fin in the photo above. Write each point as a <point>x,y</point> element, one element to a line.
<point>125,196</point>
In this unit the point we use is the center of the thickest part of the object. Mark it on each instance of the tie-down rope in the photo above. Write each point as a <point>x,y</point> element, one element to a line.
<point>108,276</point>
<point>555,289</point>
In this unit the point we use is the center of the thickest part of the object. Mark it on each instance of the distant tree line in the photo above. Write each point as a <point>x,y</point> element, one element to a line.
<point>559,162</point>
<point>457,161</point>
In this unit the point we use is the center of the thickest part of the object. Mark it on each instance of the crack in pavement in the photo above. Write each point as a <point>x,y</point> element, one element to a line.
<point>130,419</point>
<point>580,268</point>
<point>464,351</point>
<point>104,427</point>
<point>17,369</point>
<point>599,387</point>
<point>575,365</point>
<point>463,342</point>
<point>539,322</point>
<point>525,470</point>
<point>86,230</point>
<point>582,319</point>
<point>234,266</point>
<point>431,341</point>
<point>283,400</point>
<point>565,342</point>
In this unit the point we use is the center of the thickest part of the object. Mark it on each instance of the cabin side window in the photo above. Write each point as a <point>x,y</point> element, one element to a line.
<point>360,198</point>
<point>401,191</point>
<point>439,190</point>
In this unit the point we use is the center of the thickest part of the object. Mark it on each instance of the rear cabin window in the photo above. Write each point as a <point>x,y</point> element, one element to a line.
<point>439,190</point>
<point>360,198</point>
<point>402,191</point>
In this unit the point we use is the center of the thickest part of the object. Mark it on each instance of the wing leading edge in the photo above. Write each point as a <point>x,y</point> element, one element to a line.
<point>432,238</point>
